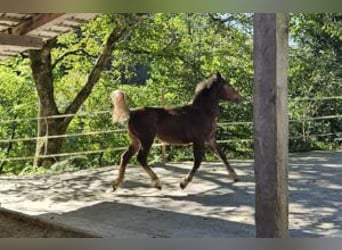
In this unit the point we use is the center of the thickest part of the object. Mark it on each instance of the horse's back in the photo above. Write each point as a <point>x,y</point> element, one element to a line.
<point>178,125</point>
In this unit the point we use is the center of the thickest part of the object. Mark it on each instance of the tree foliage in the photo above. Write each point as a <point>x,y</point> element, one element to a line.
<point>159,62</point>
<point>315,72</point>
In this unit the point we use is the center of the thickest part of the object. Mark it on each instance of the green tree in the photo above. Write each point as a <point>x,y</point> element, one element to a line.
<point>43,75</point>
<point>17,98</point>
<point>157,62</point>
<point>315,73</point>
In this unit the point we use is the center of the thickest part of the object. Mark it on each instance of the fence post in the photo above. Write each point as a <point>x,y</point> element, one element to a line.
<point>37,151</point>
<point>163,146</point>
<point>270,117</point>
<point>40,141</point>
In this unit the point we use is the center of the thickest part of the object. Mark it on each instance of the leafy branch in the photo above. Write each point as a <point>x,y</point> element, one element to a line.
<point>72,52</point>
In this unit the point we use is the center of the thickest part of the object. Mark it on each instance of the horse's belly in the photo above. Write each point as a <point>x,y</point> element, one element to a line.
<point>181,130</point>
<point>173,138</point>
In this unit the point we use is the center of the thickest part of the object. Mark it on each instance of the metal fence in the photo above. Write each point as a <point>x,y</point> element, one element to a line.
<point>305,135</point>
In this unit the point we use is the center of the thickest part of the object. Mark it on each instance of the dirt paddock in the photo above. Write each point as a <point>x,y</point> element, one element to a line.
<point>15,224</point>
<point>211,206</point>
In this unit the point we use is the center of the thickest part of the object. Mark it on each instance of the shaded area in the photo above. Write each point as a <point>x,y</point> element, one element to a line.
<point>315,186</point>
<point>211,206</point>
<point>130,221</point>
<point>17,225</point>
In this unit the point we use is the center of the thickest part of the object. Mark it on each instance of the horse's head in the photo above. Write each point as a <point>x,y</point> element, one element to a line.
<point>226,91</point>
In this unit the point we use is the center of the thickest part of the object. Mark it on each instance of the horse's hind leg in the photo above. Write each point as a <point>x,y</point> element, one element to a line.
<point>126,156</point>
<point>142,159</point>
<point>198,149</point>
<point>213,146</point>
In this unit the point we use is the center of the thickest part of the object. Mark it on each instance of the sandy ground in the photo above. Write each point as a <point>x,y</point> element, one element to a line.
<point>13,225</point>
<point>211,206</point>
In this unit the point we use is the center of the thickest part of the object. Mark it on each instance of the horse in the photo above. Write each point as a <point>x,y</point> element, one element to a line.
<point>194,123</point>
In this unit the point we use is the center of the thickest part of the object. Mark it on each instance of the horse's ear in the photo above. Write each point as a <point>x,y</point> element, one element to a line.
<point>218,76</point>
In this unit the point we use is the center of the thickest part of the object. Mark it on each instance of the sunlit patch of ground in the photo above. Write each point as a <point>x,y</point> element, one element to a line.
<point>211,206</point>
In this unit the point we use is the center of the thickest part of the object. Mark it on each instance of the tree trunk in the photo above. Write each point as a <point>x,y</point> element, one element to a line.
<point>50,125</point>
<point>47,146</point>
<point>43,78</point>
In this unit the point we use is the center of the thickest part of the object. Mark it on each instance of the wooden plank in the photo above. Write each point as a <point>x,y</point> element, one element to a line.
<point>59,22</point>
<point>68,25</point>
<point>270,117</point>
<point>78,20</point>
<point>12,19</point>
<point>7,25</point>
<point>9,53</point>
<point>33,23</point>
<point>43,26</point>
<point>21,41</point>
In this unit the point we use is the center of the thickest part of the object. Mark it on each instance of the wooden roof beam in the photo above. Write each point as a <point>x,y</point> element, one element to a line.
<point>6,24</point>
<point>78,20</point>
<point>68,25</point>
<point>33,23</point>
<point>12,19</point>
<point>21,41</point>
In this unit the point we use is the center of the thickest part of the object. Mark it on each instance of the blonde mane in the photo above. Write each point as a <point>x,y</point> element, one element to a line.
<point>205,84</point>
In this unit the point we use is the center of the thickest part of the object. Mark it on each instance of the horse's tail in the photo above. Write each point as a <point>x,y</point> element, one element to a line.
<point>121,111</point>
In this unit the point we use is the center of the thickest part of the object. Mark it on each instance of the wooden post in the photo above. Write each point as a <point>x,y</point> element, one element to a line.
<point>270,117</point>
<point>163,146</point>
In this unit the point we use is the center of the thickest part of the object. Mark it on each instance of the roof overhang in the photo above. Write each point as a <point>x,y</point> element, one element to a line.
<point>23,31</point>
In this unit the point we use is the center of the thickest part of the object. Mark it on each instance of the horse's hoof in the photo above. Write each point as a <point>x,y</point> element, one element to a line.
<point>183,184</point>
<point>115,186</point>
<point>234,176</point>
<point>156,183</point>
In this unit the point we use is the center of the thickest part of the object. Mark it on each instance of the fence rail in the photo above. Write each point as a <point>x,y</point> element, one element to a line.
<point>223,125</point>
<point>105,112</point>
<point>96,132</point>
<point>337,138</point>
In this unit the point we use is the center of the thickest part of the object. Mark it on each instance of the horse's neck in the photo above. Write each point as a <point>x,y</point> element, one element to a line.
<point>208,105</point>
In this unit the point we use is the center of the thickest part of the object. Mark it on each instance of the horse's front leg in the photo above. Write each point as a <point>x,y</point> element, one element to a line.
<point>213,146</point>
<point>198,149</point>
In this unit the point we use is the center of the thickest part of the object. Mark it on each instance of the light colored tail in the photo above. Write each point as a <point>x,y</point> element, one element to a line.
<point>121,111</point>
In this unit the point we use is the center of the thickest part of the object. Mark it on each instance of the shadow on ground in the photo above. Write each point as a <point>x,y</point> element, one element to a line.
<point>211,206</point>
<point>130,221</point>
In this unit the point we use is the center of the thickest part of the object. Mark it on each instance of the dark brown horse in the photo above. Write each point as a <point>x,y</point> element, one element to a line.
<point>193,123</point>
